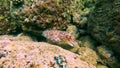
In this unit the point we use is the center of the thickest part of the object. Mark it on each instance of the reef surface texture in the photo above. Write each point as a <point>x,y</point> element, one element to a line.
<point>104,24</point>
<point>28,54</point>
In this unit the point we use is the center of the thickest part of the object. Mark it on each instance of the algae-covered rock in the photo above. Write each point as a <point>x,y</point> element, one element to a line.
<point>42,15</point>
<point>19,37</point>
<point>104,24</point>
<point>34,16</point>
<point>88,55</point>
<point>107,57</point>
<point>72,29</point>
<point>6,27</point>
<point>101,66</point>
<point>87,41</point>
<point>104,52</point>
<point>80,13</point>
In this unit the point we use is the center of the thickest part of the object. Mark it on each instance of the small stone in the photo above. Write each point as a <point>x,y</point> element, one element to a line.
<point>2,55</point>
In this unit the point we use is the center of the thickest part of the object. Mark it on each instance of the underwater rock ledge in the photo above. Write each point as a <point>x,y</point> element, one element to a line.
<point>37,54</point>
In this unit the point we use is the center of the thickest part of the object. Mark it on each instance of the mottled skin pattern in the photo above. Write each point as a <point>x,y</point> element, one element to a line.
<point>60,37</point>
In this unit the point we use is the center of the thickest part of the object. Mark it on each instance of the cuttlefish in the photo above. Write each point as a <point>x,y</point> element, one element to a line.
<point>59,36</point>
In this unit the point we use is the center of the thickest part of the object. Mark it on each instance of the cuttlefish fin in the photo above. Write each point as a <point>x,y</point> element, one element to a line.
<point>75,46</point>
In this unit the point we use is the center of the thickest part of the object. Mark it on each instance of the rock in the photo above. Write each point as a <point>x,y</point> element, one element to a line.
<point>80,13</point>
<point>30,54</point>
<point>35,17</point>
<point>107,57</point>
<point>101,66</point>
<point>87,41</point>
<point>82,32</point>
<point>72,29</point>
<point>104,52</point>
<point>104,24</point>
<point>88,55</point>
<point>19,37</point>
<point>83,22</point>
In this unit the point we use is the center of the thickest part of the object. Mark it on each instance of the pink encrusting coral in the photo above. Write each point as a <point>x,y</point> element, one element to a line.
<point>60,37</point>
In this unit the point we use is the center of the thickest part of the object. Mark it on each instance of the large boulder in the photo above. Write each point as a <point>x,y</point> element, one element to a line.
<point>37,55</point>
<point>104,24</point>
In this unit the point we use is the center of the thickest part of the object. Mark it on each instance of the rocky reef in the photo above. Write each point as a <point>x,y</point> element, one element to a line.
<point>104,24</point>
<point>34,16</point>
<point>20,54</point>
<point>5,25</point>
<point>91,24</point>
<point>41,15</point>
